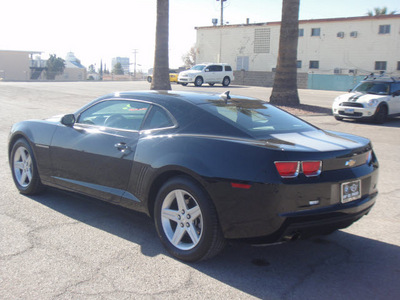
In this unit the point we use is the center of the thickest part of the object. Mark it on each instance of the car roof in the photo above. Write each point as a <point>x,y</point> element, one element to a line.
<point>185,107</point>
<point>165,98</point>
<point>382,79</point>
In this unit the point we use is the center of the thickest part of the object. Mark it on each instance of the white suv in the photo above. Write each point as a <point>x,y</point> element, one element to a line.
<point>374,98</point>
<point>207,73</point>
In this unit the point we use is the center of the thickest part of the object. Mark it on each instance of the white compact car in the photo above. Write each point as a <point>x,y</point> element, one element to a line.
<point>207,73</point>
<point>375,98</point>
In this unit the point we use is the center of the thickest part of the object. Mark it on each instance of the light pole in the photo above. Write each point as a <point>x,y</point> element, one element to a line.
<point>134,64</point>
<point>222,11</point>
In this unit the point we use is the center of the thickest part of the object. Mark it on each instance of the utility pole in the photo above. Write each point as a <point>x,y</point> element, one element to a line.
<point>222,11</point>
<point>134,64</point>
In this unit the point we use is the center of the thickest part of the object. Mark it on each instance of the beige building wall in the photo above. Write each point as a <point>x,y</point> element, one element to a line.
<point>72,74</point>
<point>334,54</point>
<point>14,65</point>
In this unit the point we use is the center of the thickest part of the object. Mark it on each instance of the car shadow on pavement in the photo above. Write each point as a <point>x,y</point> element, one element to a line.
<point>390,122</point>
<point>341,265</point>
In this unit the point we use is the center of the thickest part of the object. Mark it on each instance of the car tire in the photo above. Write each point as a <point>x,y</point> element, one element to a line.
<point>338,118</point>
<point>24,169</point>
<point>211,84</point>
<point>226,81</point>
<point>149,79</point>
<point>380,114</point>
<point>198,81</point>
<point>184,84</point>
<point>186,221</point>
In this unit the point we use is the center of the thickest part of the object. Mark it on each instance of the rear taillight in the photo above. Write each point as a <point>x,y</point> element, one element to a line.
<point>288,169</point>
<point>311,168</point>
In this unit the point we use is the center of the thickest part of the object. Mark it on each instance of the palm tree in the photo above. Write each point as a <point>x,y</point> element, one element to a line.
<point>380,11</point>
<point>161,61</point>
<point>284,91</point>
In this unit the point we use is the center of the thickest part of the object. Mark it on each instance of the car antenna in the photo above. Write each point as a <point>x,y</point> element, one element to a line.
<point>225,96</point>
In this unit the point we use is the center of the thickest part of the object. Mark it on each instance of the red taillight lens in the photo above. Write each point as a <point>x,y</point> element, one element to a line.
<point>287,169</point>
<point>311,168</point>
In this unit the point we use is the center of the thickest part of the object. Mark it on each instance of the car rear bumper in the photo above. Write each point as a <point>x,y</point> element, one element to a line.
<point>303,225</point>
<point>276,212</point>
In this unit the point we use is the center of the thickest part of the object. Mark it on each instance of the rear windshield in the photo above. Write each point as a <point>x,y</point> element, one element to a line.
<point>255,117</point>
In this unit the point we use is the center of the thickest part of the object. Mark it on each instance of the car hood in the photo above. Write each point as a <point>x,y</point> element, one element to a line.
<point>358,97</point>
<point>190,72</point>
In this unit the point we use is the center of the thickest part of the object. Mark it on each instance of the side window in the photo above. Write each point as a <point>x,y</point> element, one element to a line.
<point>120,114</point>
<point>157,118</point>
<point>395,87</point>
<point>228,68</point>
<point>215,68</point>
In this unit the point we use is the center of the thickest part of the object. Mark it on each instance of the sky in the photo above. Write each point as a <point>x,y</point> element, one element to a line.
<point>97,31</point>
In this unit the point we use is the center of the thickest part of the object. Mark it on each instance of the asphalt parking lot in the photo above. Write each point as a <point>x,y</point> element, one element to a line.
<point>62,246</point>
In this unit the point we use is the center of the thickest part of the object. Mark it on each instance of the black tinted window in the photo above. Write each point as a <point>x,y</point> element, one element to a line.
<point>256,117</point>
<point>157,118</point>
<point>119,114</point>
<point>395,87</point>
<point>373,87</point>
<point>228,68</point>
<point>215,68</point>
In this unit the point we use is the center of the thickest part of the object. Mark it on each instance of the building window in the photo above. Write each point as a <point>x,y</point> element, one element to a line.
<point>315,31</point>
<point>380,65</point>
<point>398,66</point>
<point>314,64</point>
<point>298,64</point>
<point>384,29</point>
<point>242,63</point>
<point>262,38</point>
<point>353,34</point>
<point>340,34</point>
<point>301,32</point>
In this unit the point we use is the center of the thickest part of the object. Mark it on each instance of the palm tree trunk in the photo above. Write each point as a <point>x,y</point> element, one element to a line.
<point>161,61</point>
<point>284,91</point>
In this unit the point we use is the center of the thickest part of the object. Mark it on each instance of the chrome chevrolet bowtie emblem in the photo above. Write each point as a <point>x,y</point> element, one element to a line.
<point>350,163</point>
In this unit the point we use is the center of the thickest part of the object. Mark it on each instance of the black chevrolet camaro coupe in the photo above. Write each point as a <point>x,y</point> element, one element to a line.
<point>205,167</point>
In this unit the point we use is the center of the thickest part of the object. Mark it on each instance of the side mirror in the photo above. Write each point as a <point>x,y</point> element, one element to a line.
<point>68,120</point>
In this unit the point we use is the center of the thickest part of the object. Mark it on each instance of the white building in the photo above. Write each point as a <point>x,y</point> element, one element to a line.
<point>356,45</point>
<point>124,61</point>
<point>74,70</point>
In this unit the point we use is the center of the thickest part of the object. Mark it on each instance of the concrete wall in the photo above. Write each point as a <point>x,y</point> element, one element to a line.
<point>332,82</point>
<point>72,74</point>
<point>14,65</point>
<point>257,78</point>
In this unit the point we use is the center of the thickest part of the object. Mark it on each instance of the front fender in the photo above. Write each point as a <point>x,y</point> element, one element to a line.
<point>38,133</point>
